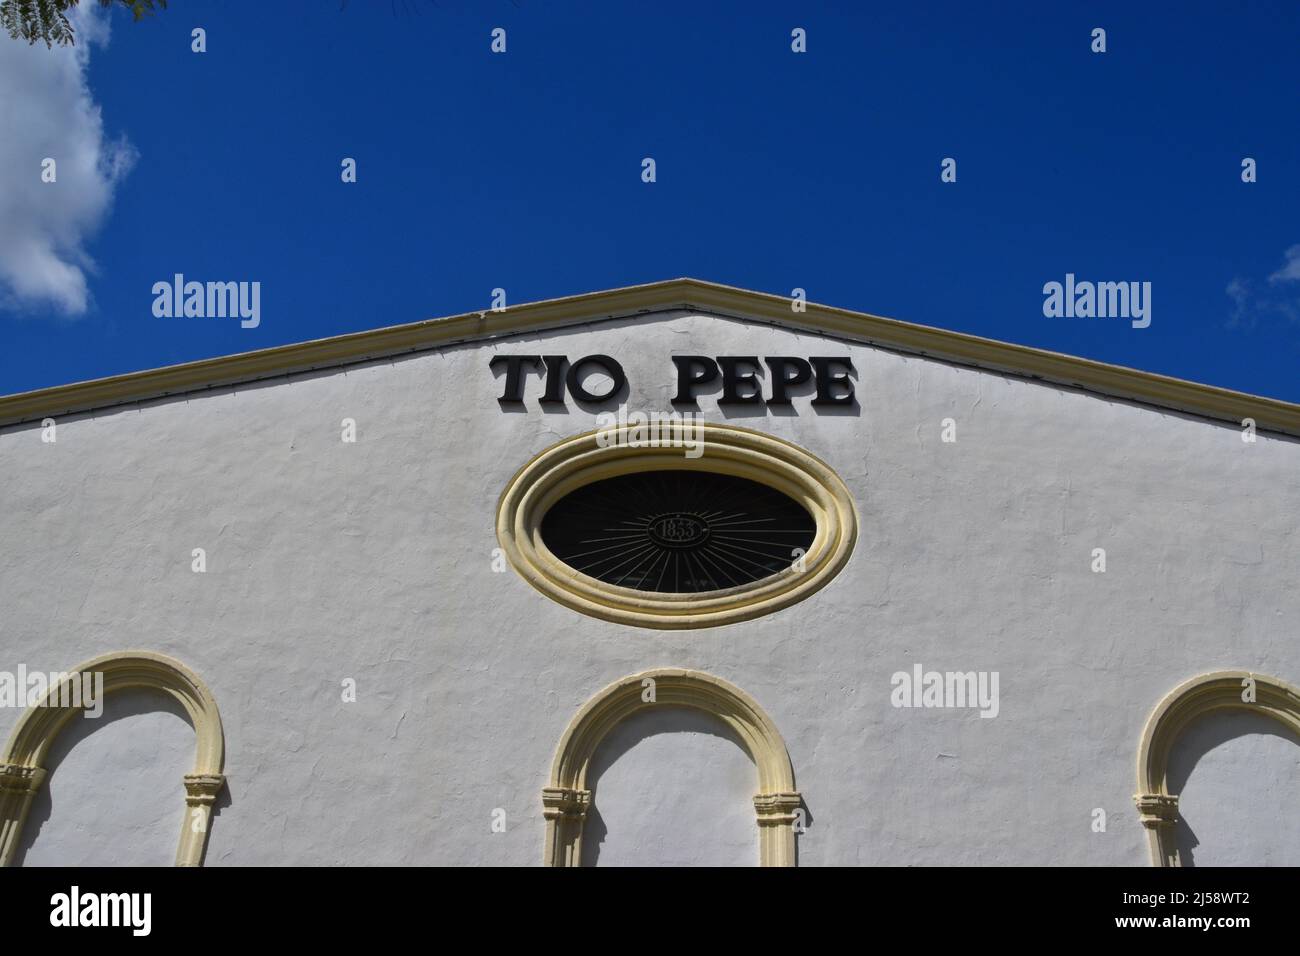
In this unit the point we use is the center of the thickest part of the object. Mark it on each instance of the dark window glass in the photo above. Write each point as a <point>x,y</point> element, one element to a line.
<point>677,531</point>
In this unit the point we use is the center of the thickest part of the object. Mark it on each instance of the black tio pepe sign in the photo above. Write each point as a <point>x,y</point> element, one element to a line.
<point>736,375</point>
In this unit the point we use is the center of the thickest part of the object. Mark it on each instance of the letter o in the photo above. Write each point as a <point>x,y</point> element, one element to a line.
<point>608,365</point>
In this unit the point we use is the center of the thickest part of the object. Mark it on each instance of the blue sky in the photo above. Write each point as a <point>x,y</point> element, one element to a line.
<point>774,170</point>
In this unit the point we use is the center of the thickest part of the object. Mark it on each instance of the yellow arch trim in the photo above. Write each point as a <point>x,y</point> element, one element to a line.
<point>21,770</point>
<point>567,798</point>
<point>1205,694</point>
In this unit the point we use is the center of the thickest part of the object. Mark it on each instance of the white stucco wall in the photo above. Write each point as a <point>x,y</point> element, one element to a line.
<point>373,561</point>
<point>676,789</point>
<point>1232,767</point>
<point>110,799</point>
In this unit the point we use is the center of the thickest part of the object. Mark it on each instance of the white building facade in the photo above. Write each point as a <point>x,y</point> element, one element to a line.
<point>441,594</point>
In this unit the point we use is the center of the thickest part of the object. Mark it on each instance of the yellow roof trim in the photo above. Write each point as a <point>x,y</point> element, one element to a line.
<point>1111,380</point>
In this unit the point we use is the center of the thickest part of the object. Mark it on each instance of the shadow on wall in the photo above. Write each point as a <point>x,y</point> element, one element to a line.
<point>1238,777</point>
<point>120,797</point>
<point>676,787</point>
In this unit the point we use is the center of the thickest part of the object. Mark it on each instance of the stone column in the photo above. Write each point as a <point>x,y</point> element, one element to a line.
<point>777,813</point>
<point>1159,814</point>
<point>18,785</point>
<point>201,791</point>
<point>565,812</point>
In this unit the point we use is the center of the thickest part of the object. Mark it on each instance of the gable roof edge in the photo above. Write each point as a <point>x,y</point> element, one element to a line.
<point>956,347</point>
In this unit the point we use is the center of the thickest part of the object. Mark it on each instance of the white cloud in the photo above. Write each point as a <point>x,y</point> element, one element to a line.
<point>47,111</point>
<point>1239,292</point>
<point>1290,271</point>
<point>1254,302</point>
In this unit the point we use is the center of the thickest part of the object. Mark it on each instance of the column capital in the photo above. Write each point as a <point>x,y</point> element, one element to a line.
<point>775,809</point>
<point>202,788</point>
<point>21,779</point>
<point>560,802</point>
<point>1157,810</point>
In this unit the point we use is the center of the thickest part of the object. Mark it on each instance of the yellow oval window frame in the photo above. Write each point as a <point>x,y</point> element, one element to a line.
<point>726,450</point>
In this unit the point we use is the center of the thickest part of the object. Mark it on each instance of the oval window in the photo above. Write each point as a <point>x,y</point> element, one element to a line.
<point>647,535</point>
<point>678,531</point>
